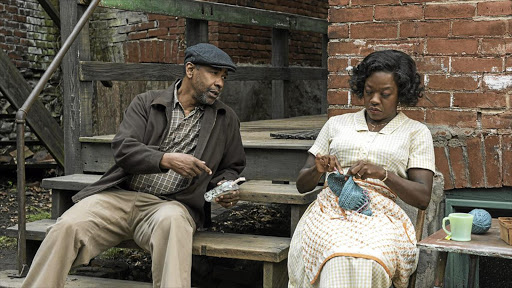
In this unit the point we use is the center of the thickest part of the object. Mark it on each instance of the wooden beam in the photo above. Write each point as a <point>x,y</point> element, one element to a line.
<point>16,89</point>
<point>280,57</point>
<point>98,71</point>
<point>221,13</point>
<point>51,11</point>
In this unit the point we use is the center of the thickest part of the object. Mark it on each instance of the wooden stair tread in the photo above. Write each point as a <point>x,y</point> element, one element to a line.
<point>215,244</point>
<point>262,191</point>
<point>74,281</point>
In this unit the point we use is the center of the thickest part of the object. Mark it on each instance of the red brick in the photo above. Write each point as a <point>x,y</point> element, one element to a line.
<point>137,35</point>
<point>350,14</point>
<point>337,97</point>
<point>476,162</point>
<point>157,32</point>
<point>496,46</point>
<point>497,120</point>
<point>337,64</point>
<point>479,100</point>
<point>495,8</point>
<point>447,82</point>
<point>398,12</point>
<point>338,81</point>
<point>444,46</point>
<point>131,52</point>
<point>348,48</point>
<point>432,64</point>
<point>475,65</point>
<point>373,31</point>
<point>416,114</point>
<point>497,81</point>
<point>449,11</point>
<point>143,26</point>
<point>506,155</point>
<point>492,161</point>
<point>479,28</point>
<point>443,167</point>
<point>458,166</point>
<point>455,118</point>
<point>338,2</point>
<point>508,64</point>
<point>339,111</point>
<point>337,31</point>
<point>373,2</point>
<point>356,101</point>
<point>438,100</point>
<point>424,29</point>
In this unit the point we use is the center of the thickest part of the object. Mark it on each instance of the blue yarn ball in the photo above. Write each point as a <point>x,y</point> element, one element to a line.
<point>481,221</point>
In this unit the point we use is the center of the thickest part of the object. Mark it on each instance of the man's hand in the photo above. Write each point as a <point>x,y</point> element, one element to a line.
<point>184,164</point>
<point>228,199</point>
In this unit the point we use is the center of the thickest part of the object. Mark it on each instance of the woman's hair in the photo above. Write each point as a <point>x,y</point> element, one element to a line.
<point>404,72</point>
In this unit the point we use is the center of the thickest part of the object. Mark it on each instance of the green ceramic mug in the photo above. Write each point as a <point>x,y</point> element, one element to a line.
<point>460,226</point>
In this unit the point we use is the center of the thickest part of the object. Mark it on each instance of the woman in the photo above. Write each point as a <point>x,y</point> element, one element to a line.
<point>389,156</point>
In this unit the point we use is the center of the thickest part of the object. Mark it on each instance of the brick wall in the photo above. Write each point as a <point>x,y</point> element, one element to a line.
<point>463,49</point>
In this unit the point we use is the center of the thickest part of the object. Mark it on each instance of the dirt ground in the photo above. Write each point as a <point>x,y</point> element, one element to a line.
<point>126,264</point>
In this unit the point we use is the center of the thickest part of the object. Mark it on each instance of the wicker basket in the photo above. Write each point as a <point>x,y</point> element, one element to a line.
<point>506,229</point>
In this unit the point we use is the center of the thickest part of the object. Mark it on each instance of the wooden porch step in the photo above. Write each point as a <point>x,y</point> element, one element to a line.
<point>74,281</point>
<point>260,191</point>
<point>271,250</point>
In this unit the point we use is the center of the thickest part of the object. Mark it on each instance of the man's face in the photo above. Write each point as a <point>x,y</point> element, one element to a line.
<point>208,82</point>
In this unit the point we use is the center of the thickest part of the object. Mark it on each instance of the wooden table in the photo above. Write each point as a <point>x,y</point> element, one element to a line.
<point>488,244</point>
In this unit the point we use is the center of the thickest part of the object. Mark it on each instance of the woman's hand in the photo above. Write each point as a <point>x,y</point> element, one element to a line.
<point>363,170</point>
<point>326,163</point>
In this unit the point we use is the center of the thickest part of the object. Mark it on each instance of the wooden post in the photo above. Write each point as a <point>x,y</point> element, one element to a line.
<point>280,59</point>
<point>77,95</point>
<point>325,105</point>
<point>196,31</point>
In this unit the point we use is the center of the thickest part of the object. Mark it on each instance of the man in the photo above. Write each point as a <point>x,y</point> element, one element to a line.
<point>172,146</point>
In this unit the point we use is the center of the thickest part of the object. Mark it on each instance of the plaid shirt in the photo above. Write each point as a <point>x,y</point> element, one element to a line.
<point>182,138</point>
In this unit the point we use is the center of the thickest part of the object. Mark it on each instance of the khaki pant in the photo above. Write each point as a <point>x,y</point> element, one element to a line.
<point>98,222</point>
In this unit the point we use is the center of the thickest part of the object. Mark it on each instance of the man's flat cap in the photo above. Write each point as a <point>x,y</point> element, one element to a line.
<point>208,54</point>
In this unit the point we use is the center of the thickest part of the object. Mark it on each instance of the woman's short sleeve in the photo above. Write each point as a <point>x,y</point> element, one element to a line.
<point>422,150</point>
<point>322,142</point>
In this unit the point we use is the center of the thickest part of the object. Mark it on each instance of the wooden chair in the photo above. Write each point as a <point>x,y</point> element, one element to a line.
<point>420,221</point>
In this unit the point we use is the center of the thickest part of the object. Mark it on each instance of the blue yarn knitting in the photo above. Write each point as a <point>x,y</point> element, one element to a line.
<point>481,221</point>
<point>350,195</point>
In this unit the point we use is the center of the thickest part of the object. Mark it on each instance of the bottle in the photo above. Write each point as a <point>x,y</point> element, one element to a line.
<point>223,188</point>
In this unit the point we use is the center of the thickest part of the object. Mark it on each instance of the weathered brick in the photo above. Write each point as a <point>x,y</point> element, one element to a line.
<point>337,97</point>
<point>443,167</point>
<point>373,2</point>
<point>501,120</point>
<point>337,81</point>
<point>479,100</point>
<point>447,82</point>
<point>337,31</point>
<point>337,64</point>
<point>443,46</point>
<point>458,166</point>
<point>398,12</point>
<point>157,32</point>
<point>416,114</point>
<point>348,48</point>
<point>506,155</point>
<point>449,11</point>
<point>431,64</point>
<point>492,161</point>
<point>452,118</point>
<point>479,28</point>
<point>476,65</point>
<point>350,14</point>
<point>356,101</point>
<point>497,81</point>
<point>476,162</point>
<point>373,31</point>
<point>338,2</point>
<point>424,29</point>
<point>339,111</point>
<point>438,99</point>
<point>496,46</point>
<point>494,8</point>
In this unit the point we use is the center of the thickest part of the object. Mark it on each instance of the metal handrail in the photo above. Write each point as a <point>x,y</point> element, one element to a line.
<point>21,116</point>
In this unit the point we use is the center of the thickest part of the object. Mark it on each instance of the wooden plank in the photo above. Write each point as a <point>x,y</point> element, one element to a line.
<point>266,192</point>
<point>73,182</point>
<point>280,55</point>
<point>325,56</point>
<point>275,274</point>
<point>14,87</point>
<point>51,11</point>
<point>215,244</point>
<point>488,244</point>
<point>94,70</point>
<point>220,12</point>
<point>74,281</point>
